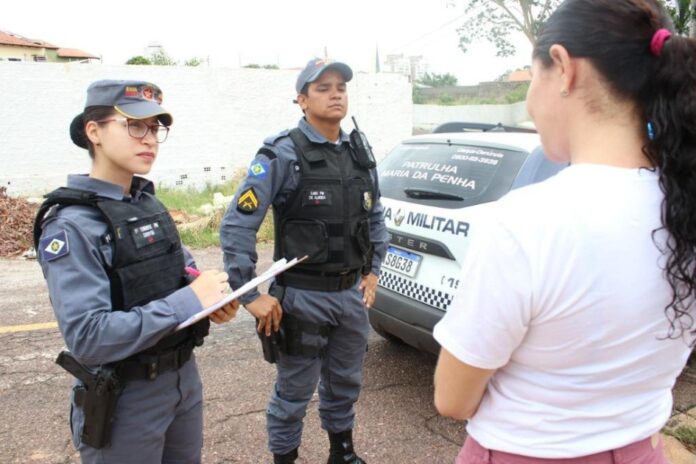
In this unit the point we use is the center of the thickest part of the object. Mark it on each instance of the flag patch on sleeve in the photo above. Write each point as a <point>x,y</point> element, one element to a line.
<point>54,246</point>
<point>258,169</point>
<point>248,202</point>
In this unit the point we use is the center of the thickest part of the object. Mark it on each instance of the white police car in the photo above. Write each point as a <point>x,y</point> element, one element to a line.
<point>427,184</point>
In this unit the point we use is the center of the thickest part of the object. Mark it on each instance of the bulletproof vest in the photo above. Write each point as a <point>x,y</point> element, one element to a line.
<point>148,260</point>
<point>327,216</point>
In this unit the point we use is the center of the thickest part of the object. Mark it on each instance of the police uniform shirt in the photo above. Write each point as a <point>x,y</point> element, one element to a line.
<point>272,177</point>
<point>74,265</point>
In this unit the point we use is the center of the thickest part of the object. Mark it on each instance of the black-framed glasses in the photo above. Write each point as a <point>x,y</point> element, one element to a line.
<point>138,129</point>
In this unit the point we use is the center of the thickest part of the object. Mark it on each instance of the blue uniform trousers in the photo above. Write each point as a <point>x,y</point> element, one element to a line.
<point>158,421</point>
<point>338,371</point>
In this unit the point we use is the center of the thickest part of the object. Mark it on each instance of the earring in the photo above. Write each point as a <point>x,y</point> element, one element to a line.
<point>564,93</point>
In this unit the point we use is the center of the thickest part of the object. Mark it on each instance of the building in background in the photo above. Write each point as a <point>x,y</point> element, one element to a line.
<point>520,75</point>
<point>14,47</point>
<point>412,66</point>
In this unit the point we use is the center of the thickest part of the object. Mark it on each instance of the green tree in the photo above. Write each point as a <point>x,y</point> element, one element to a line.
<point>195,61</point>
<point>252,66</point>
<point>683,14</point>
<point>496,20</point>
<point>161,58</point>
<point>138,60</point>
<point>438,80</point>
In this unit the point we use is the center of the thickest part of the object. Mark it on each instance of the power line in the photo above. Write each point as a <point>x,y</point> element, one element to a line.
<point>431,32</point>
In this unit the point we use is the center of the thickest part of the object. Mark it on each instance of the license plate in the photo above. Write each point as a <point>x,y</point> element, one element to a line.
<point>402,261</point>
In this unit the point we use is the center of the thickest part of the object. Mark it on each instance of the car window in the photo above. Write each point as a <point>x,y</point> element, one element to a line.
<point>448,175</point>
<point>537,168</point>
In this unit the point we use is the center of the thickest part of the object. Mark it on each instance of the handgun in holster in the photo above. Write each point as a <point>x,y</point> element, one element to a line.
<point>272,344</point>
<point>97,396</point>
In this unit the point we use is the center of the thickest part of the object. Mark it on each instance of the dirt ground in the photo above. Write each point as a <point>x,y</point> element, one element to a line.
<point>396,421</point>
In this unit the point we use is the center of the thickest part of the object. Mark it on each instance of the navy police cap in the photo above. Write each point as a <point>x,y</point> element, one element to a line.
<point>132,99</point>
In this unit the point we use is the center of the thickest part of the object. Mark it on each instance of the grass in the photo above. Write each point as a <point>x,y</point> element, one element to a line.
<point>189,199</point>
<point>517,95</point>
<point>206,230</point>
<point>686,435</point>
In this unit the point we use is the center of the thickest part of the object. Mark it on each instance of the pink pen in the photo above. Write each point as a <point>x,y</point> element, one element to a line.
<point>192,271</point>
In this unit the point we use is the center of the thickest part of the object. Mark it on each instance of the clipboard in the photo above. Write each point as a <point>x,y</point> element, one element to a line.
<point>276,268</point>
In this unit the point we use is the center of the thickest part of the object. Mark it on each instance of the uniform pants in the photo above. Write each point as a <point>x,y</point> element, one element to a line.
<point>338,371</point>
<point>648,451</point>
<point>158,421</point>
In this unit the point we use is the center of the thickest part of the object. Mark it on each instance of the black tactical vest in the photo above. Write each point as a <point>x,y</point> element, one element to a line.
<point>327,216</point>
<point>148,260</point>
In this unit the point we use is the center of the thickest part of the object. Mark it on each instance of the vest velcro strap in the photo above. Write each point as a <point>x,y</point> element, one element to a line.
<point>318,281</point>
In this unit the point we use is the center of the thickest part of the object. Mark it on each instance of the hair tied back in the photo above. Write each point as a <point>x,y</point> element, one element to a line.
<point>658,41</point>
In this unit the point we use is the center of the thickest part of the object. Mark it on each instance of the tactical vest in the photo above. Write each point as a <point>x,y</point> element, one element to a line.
<point>327,216</point>
<point>148,260</point>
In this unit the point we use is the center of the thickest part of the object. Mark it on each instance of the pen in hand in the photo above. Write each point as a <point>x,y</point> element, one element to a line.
<point>192,271</point>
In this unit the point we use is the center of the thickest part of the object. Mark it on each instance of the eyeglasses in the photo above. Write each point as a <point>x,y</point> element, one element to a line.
<point>138,129</point>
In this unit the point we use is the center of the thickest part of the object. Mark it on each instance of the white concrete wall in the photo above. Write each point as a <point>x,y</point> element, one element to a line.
<point>430,116</point>
<point>221,117</point>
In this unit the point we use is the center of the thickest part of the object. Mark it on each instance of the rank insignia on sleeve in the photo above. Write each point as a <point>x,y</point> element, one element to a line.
<point>54,246</point>
<point>258,169</point>
<point>248,202</point>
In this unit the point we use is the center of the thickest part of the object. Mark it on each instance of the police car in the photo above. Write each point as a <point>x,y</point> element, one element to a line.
<point>428,183</point>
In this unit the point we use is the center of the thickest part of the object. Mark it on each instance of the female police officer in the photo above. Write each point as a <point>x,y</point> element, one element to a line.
<point>114,265</point>
<point>326,205</point>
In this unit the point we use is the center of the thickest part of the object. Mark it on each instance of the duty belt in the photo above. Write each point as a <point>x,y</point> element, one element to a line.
<point>148,367</point>
<point>318,280</point>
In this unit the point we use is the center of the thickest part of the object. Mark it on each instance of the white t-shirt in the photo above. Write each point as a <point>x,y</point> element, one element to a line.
<point>562,291</point>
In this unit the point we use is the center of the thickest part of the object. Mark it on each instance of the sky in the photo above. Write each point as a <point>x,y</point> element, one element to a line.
<point>286,33</point>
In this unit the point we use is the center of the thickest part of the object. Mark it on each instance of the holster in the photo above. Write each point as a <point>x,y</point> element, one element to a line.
<point>271,344</point>
<point>97,396</point>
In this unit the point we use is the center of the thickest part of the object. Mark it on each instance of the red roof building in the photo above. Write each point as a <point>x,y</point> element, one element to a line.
<point>14,47</point>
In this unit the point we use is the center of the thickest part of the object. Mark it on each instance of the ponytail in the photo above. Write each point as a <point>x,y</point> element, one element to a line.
<point>669,103</point>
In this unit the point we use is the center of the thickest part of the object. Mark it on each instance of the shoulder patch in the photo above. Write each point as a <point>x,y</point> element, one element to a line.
<point>258,169</point>
<point>248,202</point>
<point>54,246</point>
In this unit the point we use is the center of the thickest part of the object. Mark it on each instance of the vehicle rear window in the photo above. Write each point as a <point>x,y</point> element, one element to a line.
<point>448,176</point>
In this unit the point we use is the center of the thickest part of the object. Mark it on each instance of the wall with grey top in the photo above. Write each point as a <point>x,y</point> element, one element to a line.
<point>221,116</point>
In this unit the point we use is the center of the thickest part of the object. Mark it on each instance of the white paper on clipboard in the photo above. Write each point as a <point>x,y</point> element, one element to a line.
<point>275,269</point>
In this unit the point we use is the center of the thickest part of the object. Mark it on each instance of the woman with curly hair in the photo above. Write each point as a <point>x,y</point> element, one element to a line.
<point>577,316</point>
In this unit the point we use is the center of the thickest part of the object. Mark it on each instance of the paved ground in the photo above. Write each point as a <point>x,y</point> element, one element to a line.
<point>396,420</point>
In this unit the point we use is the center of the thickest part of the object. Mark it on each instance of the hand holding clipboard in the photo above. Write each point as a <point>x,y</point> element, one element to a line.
<point>275,269</point>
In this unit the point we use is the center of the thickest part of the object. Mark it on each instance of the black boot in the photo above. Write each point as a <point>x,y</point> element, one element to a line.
<point>341,451</point>
<point>287,458</point>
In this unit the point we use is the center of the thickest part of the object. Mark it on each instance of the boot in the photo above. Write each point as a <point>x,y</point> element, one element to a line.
<point>287,458</point>
<point>341,451</point>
